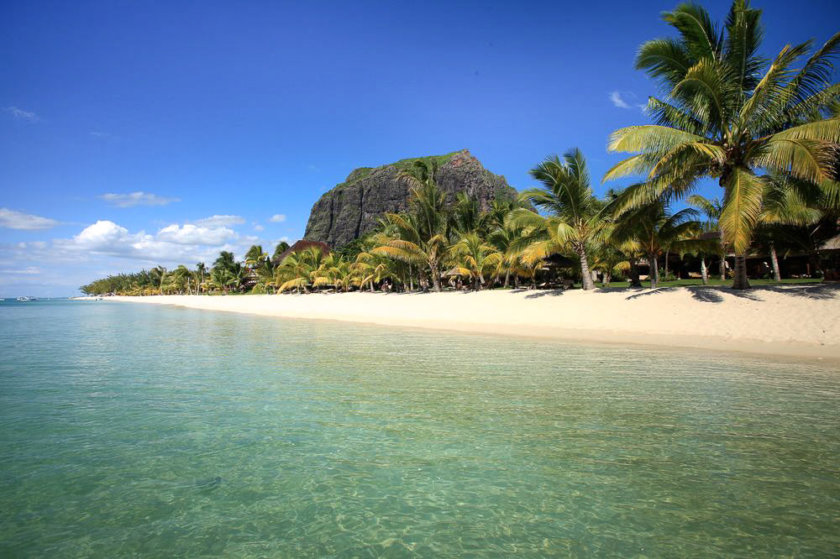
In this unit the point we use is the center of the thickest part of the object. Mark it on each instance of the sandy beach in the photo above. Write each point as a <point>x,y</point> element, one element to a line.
<point>801,321</point>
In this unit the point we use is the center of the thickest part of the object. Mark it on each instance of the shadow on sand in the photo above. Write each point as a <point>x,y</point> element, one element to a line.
<point>709,294</point>
<point>545,293</point>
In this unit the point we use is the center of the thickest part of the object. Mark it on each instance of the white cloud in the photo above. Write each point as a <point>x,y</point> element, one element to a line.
<point>277,218</point>
<point>171,244</point>
<point>105,247</point>
<point>258,227</point>
<point>136,199</point>
<point>220,221</point>
<point>20,114</point>
<point>616,99</point>
<point>190,234</point>
<point>18,220</point>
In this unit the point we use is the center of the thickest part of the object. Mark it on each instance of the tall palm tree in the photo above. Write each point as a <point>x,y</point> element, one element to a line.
<point>158,277</point>
<point>723,118</point>
<point>420,237</point>
<point>509,239</point>
<point>182,277</point>
<point>574,217</point>
<point>200,273</point>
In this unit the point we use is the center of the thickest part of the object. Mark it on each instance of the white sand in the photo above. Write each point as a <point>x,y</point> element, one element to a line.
<point>801,321</point>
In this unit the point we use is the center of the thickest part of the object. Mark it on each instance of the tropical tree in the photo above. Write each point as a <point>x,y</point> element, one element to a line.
<point>298,270</point>
<point>712,210</point>
<point>655,231</point>
<point>509,240</point>
<point>474,259</point>
<point>371,269</point>
<point>182,276</point>
<point>783,205</point>
<point>199,275</point>
<point>573,219</point>
<point>226,272</point>
<point>727,115</point>
<point>281,247</point>
<point>421,236</point>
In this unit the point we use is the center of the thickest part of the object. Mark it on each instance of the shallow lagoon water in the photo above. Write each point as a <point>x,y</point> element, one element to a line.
<point>142,430</point>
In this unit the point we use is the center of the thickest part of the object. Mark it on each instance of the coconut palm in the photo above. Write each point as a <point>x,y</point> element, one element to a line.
<point>181,276</point>
<point>722,118</point>
<point>421,236</point>
<point>655,230</point>
<point>711,209</point>
<point>574,218</point>
<point>298,270</point>
<point>371,269</point>
<point>474,259</point>
<point>199,275</point>
<point>784,205</point>
<point>255,257</point>
<point>509,239</point>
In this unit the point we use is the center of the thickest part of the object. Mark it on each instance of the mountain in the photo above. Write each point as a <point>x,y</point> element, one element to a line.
<point>352,209</point>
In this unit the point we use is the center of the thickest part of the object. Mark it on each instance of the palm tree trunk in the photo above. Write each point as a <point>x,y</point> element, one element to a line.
<point>704,272</point>
<point>435,276</point>
<point>741,280</point>
<point>507,278</point>
<point>654,270</point>
<point>722,267</point>
<point>667,253</point>
<point>586,276</point>
<point>634,273</point>
<point>777,273</point>
<point>607,278</point>
<point>410,278</point>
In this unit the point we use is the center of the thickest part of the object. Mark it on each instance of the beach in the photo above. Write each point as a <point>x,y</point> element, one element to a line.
<point>798,321</point>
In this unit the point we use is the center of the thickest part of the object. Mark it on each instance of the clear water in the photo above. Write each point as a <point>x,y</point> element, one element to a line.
<point>137,430</point>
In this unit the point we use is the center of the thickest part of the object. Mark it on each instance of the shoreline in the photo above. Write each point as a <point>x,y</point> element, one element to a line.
<point>795,321</point>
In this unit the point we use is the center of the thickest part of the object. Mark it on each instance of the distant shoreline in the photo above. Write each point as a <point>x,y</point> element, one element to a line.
<point>796,321</point>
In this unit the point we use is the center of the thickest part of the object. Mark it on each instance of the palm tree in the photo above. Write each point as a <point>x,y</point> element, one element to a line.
<point>182,276</point>
<point>200,273</point>
<point>723,119</point>
<point>574,218</point>
<point>474,259</point>
<point>420,237</point>
<point>509,239</point>
<point>158,276</point>
<point>371,269</point>
<point>255,257</point>
<point>783,205</point>
<point>655,230</point>
<point>711,209</point>
<point>297,270</point>
<point>226,271</point>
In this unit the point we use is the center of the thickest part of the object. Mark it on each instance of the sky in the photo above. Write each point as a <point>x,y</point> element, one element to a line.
<point>138,133</point>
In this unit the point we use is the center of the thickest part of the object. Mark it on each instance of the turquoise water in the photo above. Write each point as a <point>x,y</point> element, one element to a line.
<point>137,430</point>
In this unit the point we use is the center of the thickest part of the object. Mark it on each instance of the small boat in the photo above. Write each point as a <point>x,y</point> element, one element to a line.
<point>25,299</point>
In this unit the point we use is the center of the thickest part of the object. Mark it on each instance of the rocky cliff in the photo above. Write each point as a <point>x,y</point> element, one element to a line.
<point>353,207</point>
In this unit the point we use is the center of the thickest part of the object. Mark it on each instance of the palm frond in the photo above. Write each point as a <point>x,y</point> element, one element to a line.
<point>650,139</point>
<point>741,208</point>
<point>805,159</point>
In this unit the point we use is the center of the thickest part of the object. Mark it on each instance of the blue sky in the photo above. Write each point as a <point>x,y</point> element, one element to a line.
<point>135,133</point>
